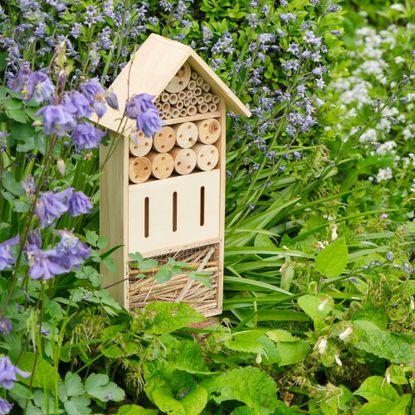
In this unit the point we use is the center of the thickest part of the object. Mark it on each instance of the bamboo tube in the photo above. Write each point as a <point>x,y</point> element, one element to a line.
<point>183,112</point>
<point>200,100</point>
<point>173,99</point>
<point>164,140</point>
<point>194,75</point>
<point>192,110</point>
<point>139,169</point>
<point>159,106</point>
<point>197,91</point>
<point>180,80</point>
<point>175,113</point>
<point>212,107</point>
<point>139,144</point>
<point>184,160</point>
<point>162,165</point>
<point>209,131</point>
<point>167,115</point>
<point>207,156</point>
<point>189,94</point>
<point>202,108</point>
<point>181,95</point>
<point>165,107</point>
<point>207,96</point>
<point>215,99</point>
<point>179,105</point>
<point>157,100</point>
<point>186,102</point>
<point>193,101</point>
<point>192,85</point>
<point>199,81</point>
<point>164,97</point>
<point>186,134</point>
<point>205,87</point>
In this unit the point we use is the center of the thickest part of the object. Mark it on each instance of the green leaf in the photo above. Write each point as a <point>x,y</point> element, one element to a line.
<point>279,335</point>
<point>292,353</point>
<point>20,391</point>
<point>399,407</point>
<point>17,115</point>
<point>10,184</point>
<point>45,374</point>
<point>91,237</point>
<point>148,264</point>
<point>203,276</point>
<point>135,410</point>
<point>77,405</point>
<point>244,410</point>
<point>164,318</point>
<point>332,260</point>
<point>136,257</point>
<point>164,274</point>
<point>394,347</point>
<point>248,385</point>
<point>376,389</point>
<point>73,384</point>
<point>317,307</point>
<point>246,341</point>
<point>99,386</point>
<point>185,355</point>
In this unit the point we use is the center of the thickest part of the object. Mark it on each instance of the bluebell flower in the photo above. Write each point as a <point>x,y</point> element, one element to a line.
<point>43,265</point>
<point>42,87</point>
<point>5,325</point>
<point>333,8</point>
<point>86,136</point>
<point>5,407</point>
<point>77,104</point>
<point>50,207</point>
<point>44,332</point>
<point>149,122</point>
<point>57,120</point>
<point>76,30</point>
<point>78,202</point>
<point>112,100</point>
<point>287,17</point>
<point>92,89</point>
<point>21,82</point>
<point>138,104</point>
<point>6,256</point>
<point>8,373</point>
<point>298,156</point>
<point>70,253</point>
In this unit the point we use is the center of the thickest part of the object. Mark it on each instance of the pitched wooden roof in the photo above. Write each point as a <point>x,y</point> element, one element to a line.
<point>150,70</point>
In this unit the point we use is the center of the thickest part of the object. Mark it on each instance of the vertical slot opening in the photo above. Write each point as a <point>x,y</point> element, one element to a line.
<point>174,211</point>
<point>146,217</point>
<point>202,205</point>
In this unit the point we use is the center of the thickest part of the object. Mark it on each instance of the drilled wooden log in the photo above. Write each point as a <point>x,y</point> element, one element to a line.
<point>164,140</point>
<point>203,108</point>
<point>186,134</point>
<point>209,131</point>
<point>180,80</point>
<point>184,160</point>
<point>139,144</point>
<point>212,107</point>
<point>139,169</point>
<point>162,165</point>
<point>192,110</point>
<point>173,99</point>
<point>207,156</point>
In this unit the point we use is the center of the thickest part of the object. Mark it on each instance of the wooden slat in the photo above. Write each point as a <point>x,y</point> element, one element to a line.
<point>192,118</point>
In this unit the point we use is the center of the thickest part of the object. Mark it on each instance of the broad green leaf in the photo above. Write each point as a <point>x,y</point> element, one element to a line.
<point>164,274</point>
<point>394,347</point>
<point>203,276</point>
<point>77,405</point>
<point>10,184</point>
<point>148,264</point>
<point>317,307</point>
<point>18,115</point>
<point>73,384</point>
<point>246,341</point>
<point>248,385</point>
<point>332,260</point>
<point>376,389</point>
<point>293,352</point>
<point>244,410</point>
<point>399,407</point>
<point>99,386</point>
<point>185,355</point>
<point>279,335</point>
<point>20,391</point>
<point>163,318</point>
<point>135,410</point>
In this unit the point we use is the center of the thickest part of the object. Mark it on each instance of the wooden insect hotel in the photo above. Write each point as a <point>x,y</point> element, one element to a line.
<point>164,196</point>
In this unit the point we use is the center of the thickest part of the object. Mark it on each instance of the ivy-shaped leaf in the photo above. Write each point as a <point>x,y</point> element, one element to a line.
<point>99,386</point>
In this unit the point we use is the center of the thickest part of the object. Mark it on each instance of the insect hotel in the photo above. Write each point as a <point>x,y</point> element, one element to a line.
<point>164,196</point>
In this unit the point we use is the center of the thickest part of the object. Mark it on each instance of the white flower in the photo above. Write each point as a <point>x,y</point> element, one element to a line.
<point>337,360</point>
<point>322,305</point>
<point>398,7</point>
<point>369,136</point>
<point>399,59</point>
<point>321,345</point>
<point>384,174</point>
<point>334,232</point>
<point>346,333</point>
<point>387,376</point>
<point>386,148</point>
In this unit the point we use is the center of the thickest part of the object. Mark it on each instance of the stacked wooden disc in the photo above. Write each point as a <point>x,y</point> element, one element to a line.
<point>179,148</point>
<point>186,95</point>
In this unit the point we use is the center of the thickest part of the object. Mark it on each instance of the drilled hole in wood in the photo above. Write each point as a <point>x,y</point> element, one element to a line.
<point>162,146</point>
<point>146,144</point>
<point>188,167</point>
<point>179,163</point>
<point>146,217</point>
<point>188,154</point>
<point>136,163</point>
<point>145,168</point>
<point>170,135</point>
<point>163,158</point>
<point>174,211</point>
<point>156,168</point>
<point>207,137</point>
<point>189,127</point>
<point>140,134</point>
<point>202,205</point>
<point>205,125</point>
<point>212,151</point>
<point>209,163</point>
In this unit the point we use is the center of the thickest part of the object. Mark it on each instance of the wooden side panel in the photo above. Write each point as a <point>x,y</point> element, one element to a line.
<point>167,220</point>
<point>114,214</point>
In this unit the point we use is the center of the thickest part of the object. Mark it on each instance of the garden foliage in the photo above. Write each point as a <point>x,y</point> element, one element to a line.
<point>319,283</point>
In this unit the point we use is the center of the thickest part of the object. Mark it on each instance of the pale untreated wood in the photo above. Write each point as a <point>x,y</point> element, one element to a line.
<point>173,99</point>
<point>162,165</point>
<point>207,96</point>
<point>209,131</point>
<point>212,107</point>
<point>139,169</point>
<point>140,145</point>
<point>191,111</point>
<point>191,118</point>
<point>164,140</point>
<point>203,108</point>
<point>181,80</point>
<point>184,160</point>
<point>207,156</point>
<point>186,134</point>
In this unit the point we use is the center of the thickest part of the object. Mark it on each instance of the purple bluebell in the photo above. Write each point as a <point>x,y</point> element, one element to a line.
<point>78,202</point>
<point>43,88</point>
<point>8,373</point>
<point>50,207</point>
<point>70,253</point>
<point>287,17</point>
<point>86,136</point>
<point>112,100</point>
<point>5,407</point>
<point>44,332</point>
<point>21,82</point>
<point>333,8</point>
<point>99,107</point>
<point>77,104</point>
<point>149,122</point>
<point>76,30</point>
<point>28,185</point>
<point>57,120</point>
<point>92,89</point>
<point>138,104</point>
<point>43,265</point>
<point>5,325</point>
<point>6,256</point>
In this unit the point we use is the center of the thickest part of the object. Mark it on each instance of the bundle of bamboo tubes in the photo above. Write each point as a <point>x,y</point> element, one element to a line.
<point>186,95</point>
